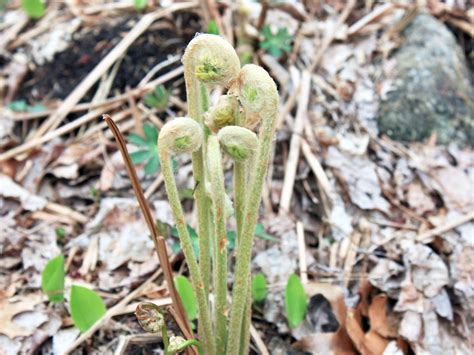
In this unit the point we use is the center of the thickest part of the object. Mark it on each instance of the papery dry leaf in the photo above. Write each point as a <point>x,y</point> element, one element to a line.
<point>411,326</point>
<point>356,333</point>
<point>387,276</point>
<point>326,343</point>
<point>410,299</point>
<point>429,272</point>
<point>418,200</point>
<point>72,158</point>
<point>30,202</point>
<point>375,343</point>
<point>9,310</point>
<point>464,287</point>
<point>455,187</point>
<point>120,242</point>
<point>337,342</point>
<point>360,178</point>
<point>379,321</point>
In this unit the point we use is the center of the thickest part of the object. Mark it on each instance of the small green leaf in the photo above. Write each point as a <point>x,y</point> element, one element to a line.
<point>231,237</point>
<point>260,233</point>
<point>186,193</point>
<point>52,279</point>
<point>137,140</point>
<point>276,44</point>
<point>94,191</point>
<point>295,301</point>
<point>33,8</point>
<point>87,307</point>
<point>140,156</point>
<point>60,232</point>
<point>157,99</point>
<point>151,133</point>
<point>186,292</point>
<point>150,100</point>
<point>259,287</point>
<point>36,108</point>
<point>140,4</point>
<point>18,106</point>
<point>152,166</point>
<point>212,28</point>
<point>162,96</point>
<point>149,151</point>
<point>192,234</point>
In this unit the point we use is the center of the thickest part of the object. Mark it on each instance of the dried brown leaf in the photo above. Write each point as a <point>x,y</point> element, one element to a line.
<point>8,311</point>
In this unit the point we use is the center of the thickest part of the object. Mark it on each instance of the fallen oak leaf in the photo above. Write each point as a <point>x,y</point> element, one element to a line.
<point>379,322</point>
<point>8,311</point>
<point>370,343</point>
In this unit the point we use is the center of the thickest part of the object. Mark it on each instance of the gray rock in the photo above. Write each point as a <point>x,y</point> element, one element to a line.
<point>430,89</point>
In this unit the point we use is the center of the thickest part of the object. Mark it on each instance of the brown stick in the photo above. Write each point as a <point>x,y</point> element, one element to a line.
<point>160,244</point>
<point>428,235</point>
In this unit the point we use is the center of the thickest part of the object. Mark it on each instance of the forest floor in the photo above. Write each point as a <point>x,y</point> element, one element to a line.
<point>381,232</point>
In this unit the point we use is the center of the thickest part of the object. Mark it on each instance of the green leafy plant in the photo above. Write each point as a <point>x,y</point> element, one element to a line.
<point>295,301</point>
<point>276,44</point>
<point>22,106</point>
<point>212,28</point>
<point>140,4</point>
<point>186,292</point>
<point>34,8</point>
<point>260,233</point>
<point>60,232</point>
<point>87,307</point>
<point>52,279</point>
<point>194,239</point>
<point>158,98</point>
<point>259,287</point>
<point>148,149</point>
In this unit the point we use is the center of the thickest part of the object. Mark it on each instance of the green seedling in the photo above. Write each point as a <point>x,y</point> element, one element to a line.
<point>148,149</point>
<point>212,28</point>
<point>295,301</point>
<point>194,239</point>
<point>276,44</point>
<point>140,4</point>
<point>259,287</point>
<point>87,307</point>
<point>52,279</point>
<point>60,232</point>
<point>22,106</point>
<point>33,8</point>
<point>158,98</point>
<point>186,292</point>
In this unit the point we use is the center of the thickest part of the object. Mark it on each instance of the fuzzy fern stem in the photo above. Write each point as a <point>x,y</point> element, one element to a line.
<point>183,135</point>
<point>259,97</point>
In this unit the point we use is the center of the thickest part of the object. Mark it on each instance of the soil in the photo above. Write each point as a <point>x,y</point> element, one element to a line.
<point>55,80</point>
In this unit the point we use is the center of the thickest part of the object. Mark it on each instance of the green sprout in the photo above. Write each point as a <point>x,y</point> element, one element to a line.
<point>212,28</point>
<point>158,98</point>
<point>140,4</point>
<point>33,8</point>
<point>22,106</point>
<point>148,149</point>
<point>276,44</point>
